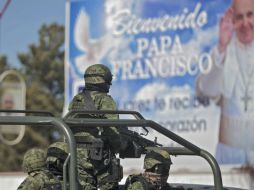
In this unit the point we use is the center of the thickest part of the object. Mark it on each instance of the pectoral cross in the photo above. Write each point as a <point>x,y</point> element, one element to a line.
<point>246,98</point>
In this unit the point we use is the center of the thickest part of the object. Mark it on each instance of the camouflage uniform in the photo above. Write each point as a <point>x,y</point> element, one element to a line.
<point>56,156</point>
<point>38,175</point>
<point>98,173</point>
<point>156,164</point>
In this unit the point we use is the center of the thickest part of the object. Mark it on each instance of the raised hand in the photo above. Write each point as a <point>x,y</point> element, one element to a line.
<point>226,30</point>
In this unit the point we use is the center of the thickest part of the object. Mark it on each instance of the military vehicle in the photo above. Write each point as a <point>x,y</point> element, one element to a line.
<point>79,120</point>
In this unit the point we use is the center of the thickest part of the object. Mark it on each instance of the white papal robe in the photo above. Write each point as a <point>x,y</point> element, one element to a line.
<point>231,76</point>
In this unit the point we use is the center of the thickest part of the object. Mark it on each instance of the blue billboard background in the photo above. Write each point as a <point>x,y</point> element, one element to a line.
<point>155,49</point>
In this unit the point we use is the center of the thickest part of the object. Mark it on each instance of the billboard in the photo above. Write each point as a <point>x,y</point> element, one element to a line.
<point>162,55</point>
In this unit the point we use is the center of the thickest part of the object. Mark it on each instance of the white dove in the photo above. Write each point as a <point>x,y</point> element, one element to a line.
<point>94,49</point>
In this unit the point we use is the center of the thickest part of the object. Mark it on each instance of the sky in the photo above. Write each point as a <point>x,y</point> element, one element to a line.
<point>20,24</point>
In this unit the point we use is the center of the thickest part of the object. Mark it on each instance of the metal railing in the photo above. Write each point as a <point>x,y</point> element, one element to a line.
<point>72,119</point>
<point>188,148</point>
<point>46,121</point>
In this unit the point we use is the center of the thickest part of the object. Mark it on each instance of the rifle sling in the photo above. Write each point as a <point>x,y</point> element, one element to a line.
<point>88,101</point>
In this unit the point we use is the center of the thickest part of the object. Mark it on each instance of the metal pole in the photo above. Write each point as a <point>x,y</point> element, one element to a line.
<point>38,120</point>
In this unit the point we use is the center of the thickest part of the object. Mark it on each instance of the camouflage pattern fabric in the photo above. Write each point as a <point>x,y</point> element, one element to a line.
<point>157,156</point>
<point>57,151</point>
<point>152,178</point>
<point>136,186</point>
<point>34,163</point>
<point>97,74</point>
<point>36,181</point>
<point>93,172</point>
<point>137,183</point>
<point>102,101</point>
<point>91,179</point>
<point>34,159</point>
<point>56,155</point>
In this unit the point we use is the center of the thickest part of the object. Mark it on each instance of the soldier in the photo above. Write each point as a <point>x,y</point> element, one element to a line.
<point>38,175</point>
<point>101,170</point>
<point>56,156</point>
<point>157,165</point>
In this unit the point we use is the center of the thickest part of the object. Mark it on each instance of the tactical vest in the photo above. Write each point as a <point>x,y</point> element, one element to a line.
<point>92,142</point>
<point>41,180</point>
<point>52,186</point>
<point>93,100</point>
<point>53,183</point>
<point>95,146</point>
<point>83,101</point>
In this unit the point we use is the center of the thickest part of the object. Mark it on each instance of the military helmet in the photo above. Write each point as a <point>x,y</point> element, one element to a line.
<point>34,159</point>
<point>57,150</point>
<point>157,157</point>
<point>98,74</point>
<point>57,154</point>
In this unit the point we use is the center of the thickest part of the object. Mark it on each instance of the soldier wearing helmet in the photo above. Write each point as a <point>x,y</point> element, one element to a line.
<point>157,165</point>
<point>56,156</point>
<point>98,79</point>
<point>34,164</point>
<point>103,171</point>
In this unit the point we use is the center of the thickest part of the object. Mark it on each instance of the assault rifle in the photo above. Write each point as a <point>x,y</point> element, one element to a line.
<point>135,144</point>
